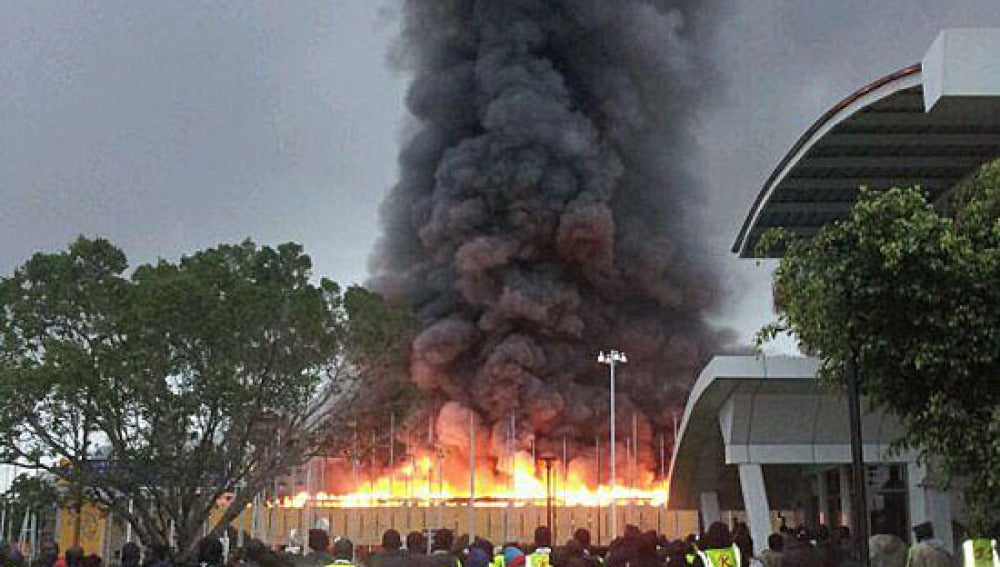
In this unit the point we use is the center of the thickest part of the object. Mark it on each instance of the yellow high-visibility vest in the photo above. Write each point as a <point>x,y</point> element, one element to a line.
<point>726,557</point>
<point>498,560</point>
<point>980,552</point>
<point>540,558</point>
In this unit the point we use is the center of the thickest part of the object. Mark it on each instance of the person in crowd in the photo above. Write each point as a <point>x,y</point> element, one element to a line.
<point>798,551</point>
<point>513,556</point>
<point>441,550</point>
<point>573,555</point>
<point>11,556</point>
<point>742,539</point>
<point>824,547</point>
<point>255,553</point>
<point>541,548</point>
<point>343,552</point>
<point>716,547</point>
<point>392,554</point>
<point>210,552</point>
<point>92,560</point>
<point>622,550</point>
<point>131,555</point>
<point>678,553</point>
<point>928,551</point>
<point>771,557</point>
<point>74,557</point>
<point>416,544</point>
<point>886,550</point>
<point>845,548</point>
<point>476,557</point>
<point>319,554</point>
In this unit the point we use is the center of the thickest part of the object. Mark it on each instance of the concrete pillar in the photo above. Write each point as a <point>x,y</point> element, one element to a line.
<point>708,506</point>
<point>927,504</point>
<point>823,498</point>
<point>845,496</point>
<point>755,502</point>
<point>915,493</point>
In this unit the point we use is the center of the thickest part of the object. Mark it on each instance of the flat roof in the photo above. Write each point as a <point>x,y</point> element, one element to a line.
<point>929,124</point>
<point>770,411</point>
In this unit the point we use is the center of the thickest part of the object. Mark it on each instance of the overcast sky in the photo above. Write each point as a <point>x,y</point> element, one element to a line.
<point>173,126</point>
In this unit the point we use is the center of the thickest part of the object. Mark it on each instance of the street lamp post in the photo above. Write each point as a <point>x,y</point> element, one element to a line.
<point>612,359</point>
<point>548,494</point>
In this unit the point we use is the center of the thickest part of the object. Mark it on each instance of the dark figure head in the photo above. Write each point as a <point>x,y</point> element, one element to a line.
<point>443,540</point>
<point>717,536</point>
<point>391,540</point>
<point>923,531</point>
<point>255,551</point>
<point>210,551</point>
<point>12,556</point>
<point>543,536</point>
<point>48,556</point>
<point>92,560</point>
<point>582,535</point>
<point>319,540</point>
<point>776,542</point>
<point>416,542</point>
<point>485,545</point>
<point>823,533</point>
<point>74,557</point>
<point>343,548</point>
<point>131,554</point>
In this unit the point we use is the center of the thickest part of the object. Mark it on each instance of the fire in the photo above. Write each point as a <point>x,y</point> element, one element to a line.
<point>423,481</point>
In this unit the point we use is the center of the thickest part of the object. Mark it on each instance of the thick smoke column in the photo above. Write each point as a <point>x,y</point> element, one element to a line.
<point>544,212</point>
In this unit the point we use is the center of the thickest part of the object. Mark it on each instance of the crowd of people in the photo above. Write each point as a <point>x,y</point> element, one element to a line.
<point>718,546</point>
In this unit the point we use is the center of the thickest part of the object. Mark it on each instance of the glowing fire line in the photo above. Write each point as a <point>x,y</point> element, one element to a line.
<point>416,483</point>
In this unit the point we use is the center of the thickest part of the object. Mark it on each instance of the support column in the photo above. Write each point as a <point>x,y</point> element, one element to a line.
<point>846,508</point>
<point>823,498</point>
<point>708,505</point>
<point>928,504</point>
<point>915,493</point>
<point>755,502</point>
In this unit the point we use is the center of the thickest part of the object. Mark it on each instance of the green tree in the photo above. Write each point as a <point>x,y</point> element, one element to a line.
<point>914,295</point>
<point>37,494</point>
<point>156,394</point>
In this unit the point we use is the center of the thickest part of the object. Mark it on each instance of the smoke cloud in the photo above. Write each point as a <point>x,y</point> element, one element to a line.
<point>545,211</point>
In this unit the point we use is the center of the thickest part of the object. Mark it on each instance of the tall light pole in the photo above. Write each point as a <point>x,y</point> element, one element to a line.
<point>612,359</point>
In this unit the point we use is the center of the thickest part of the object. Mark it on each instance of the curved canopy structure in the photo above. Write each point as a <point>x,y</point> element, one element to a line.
<point>929,124</point>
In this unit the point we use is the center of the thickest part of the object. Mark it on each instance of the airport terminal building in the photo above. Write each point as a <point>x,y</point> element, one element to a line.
<point>759,435</point>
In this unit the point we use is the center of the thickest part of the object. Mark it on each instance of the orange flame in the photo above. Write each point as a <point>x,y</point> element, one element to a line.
<point>515,481</point>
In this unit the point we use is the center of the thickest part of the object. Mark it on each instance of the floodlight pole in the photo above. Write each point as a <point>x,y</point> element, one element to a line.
<point>612,359</point>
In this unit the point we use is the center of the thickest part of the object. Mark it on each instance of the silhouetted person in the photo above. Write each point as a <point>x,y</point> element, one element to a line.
<point>343,552</point>
<point>928,551</point>
<point>392,554</point>
<point>210,552</point>
<point>441,554</point>
<point>131,555</point>
<point>771,557</point>
<point>416,543</point>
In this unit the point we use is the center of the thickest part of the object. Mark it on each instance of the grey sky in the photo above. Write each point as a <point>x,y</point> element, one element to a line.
<point>173,126</point>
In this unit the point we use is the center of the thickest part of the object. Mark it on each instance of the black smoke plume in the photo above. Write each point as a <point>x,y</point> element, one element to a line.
<point>546,211</point>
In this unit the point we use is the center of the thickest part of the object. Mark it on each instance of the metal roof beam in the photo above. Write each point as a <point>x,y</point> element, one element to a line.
<point>820,207</point>
<point>848,139</point>
<point>919,120</point>
<point>852,183</point>
<point>909,163</point>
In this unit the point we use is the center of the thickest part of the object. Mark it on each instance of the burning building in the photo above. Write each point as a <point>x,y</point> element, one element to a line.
<point>544,211</point>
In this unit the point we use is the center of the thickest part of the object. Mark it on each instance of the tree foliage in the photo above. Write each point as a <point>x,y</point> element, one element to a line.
<point>915,295</point>
<point>183,381</point>
<point>37,494</point>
